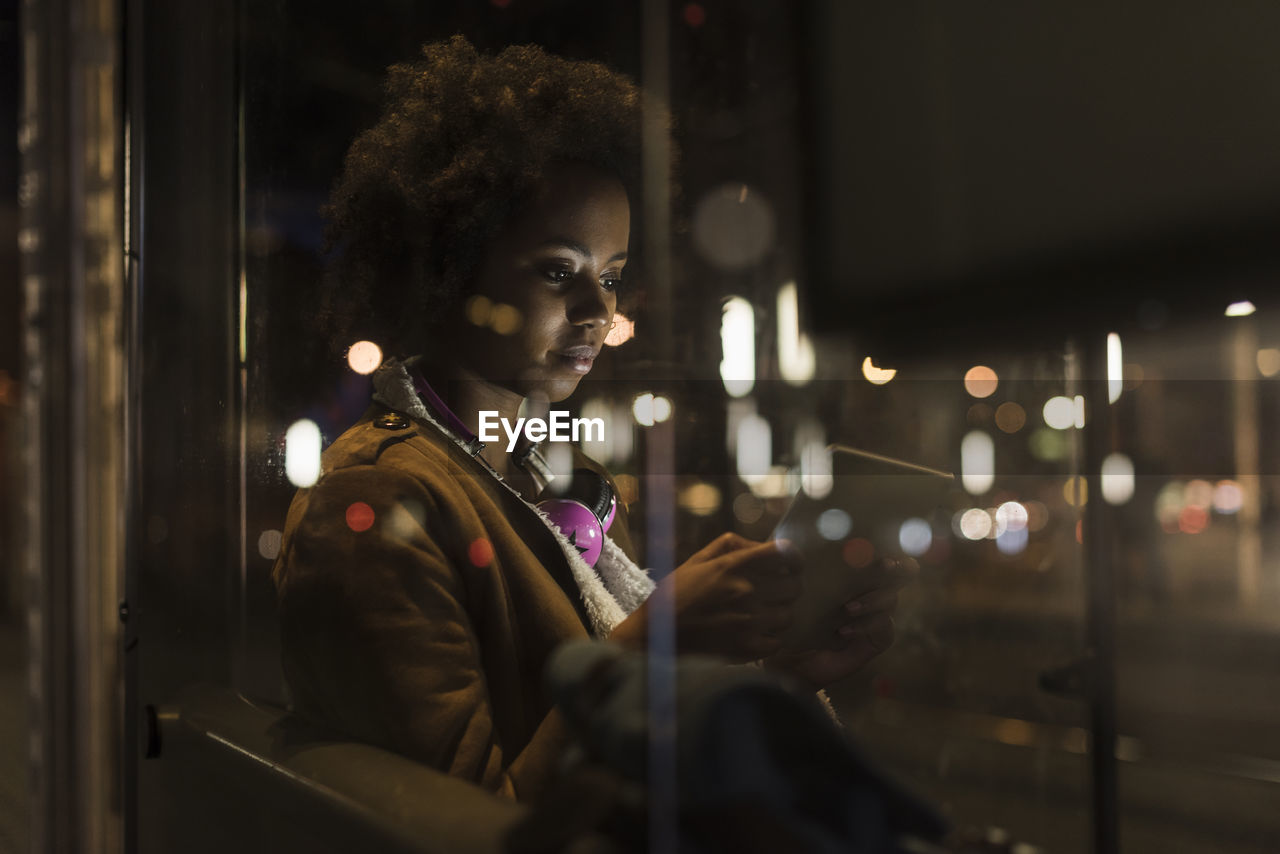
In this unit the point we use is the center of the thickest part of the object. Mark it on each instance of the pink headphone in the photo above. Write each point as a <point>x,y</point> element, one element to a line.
<point>583,513</point>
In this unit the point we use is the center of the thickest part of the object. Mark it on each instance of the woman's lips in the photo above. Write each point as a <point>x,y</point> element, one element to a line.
<point>578,359</point>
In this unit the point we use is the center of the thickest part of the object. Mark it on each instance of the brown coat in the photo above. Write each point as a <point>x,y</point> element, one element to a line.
<point>424,627</point>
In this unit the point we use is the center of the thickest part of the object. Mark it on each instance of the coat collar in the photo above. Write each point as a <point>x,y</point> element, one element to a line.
<point>610,591</point>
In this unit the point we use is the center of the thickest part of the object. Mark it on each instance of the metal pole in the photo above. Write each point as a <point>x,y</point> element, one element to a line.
<point>660,438</point>
<point>73,287</point>
<point>1099,565</point>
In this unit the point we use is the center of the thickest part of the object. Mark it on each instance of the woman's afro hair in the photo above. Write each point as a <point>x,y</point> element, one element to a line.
<point>461,144</point>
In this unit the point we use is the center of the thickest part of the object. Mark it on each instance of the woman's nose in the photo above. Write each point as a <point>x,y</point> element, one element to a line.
<point>587,304</point>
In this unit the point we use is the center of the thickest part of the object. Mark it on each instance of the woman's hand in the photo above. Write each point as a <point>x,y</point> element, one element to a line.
<point>731,599</point>
<point>867,632</point>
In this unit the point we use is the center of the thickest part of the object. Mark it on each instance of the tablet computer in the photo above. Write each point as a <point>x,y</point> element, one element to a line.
<point>878,507</point>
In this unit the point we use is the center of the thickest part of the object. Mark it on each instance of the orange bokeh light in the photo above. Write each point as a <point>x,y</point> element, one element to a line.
<point>624,329</point>
<point>360,517</point>
<point>858,552</point>
<point>1193,520</point>
<point>981,381</point>
<point>480,552</point>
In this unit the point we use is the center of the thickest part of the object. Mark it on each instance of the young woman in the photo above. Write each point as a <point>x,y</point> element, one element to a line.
<point>484,226</point>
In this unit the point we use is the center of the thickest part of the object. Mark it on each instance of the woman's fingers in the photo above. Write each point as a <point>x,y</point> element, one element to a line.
<point>764,560</point>
<point>726,543</point>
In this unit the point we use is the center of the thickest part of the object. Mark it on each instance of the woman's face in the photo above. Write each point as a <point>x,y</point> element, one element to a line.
<point>558,265</point>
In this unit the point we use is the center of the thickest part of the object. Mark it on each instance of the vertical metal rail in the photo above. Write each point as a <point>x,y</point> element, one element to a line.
<point>1099,573</point>
<point>74,317</point>
<point>133,745</point>
<point>660,438</point>
<point>240,409</point>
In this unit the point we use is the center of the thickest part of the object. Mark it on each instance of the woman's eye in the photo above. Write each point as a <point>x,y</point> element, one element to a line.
<point>559,275</point>
<point>611,283</point>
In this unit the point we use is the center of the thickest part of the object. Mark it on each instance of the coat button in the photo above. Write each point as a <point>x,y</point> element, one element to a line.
<point>391,421</point>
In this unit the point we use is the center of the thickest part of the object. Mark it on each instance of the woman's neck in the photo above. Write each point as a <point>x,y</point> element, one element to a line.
<point>467,395</point>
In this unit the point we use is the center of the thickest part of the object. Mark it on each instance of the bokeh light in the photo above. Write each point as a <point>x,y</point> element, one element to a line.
<point>748,509</point>
<point>1243,308</point>
<point>1169,504</point>
<point>559,457</point>
<point>1076,491</point>
<point>364,357</point>
<point>1228,497</point>
<point>700,499</point>
<point>1269,361</point>
<point>661,408</point>
<point>1010,417</point>
<point>1012,541</point>
<point>624,329</point>
<point>858,552</point>
<point>810,443</point>
<point>754,449</point>
<point>1115,367</point>
<point>977,462</point>
<point>777,482</point>
<point>979,414</point>
<point>596,446</point>
<point>795,350</point>
<point>302,453</point>
<point>406,519</point>
<point>1059,412</point>
<point>1117,479</point>
<point>1198,493</point>
<point>642,408</point>
<point>975,524</point>
<point>360,516</point>
<point>915,536</point>
<point>1012,516</point>
<point>738,346</point>
<point>981,381</point>
<point>480,552</point>
<point>733,226</point>
<point>997,524</point>
<point>478,310</point>
<point>1193,520</point>
<point>269,544</point>
<point>620,432</point>
<point>1048,445</point>
<point>834,524</point>
<point>694,15</point>
<point>505,319</point>
<point>875,375</point>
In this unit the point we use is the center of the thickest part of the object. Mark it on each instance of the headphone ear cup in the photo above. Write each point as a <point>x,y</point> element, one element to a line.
<point>611,512</point>
<point>593,489</point>
<point>579,524</point>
